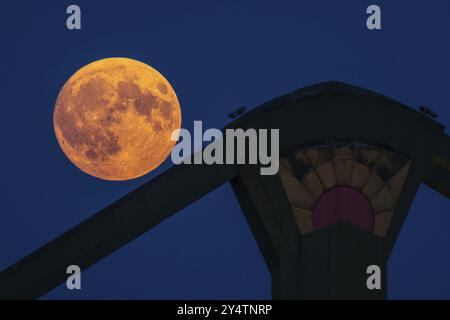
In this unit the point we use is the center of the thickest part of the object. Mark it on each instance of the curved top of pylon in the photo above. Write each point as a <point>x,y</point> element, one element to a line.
<point>327,89</point>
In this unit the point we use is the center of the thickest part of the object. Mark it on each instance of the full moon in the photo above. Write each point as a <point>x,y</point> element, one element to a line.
<point>114,118</point>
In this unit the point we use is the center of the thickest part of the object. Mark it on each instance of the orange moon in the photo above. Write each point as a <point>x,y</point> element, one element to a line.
<point>114,118</point>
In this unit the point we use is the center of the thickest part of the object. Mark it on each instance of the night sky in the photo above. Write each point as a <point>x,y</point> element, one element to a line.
<point>218,55</point>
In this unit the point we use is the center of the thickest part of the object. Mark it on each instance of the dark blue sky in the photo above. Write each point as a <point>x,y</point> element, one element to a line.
<point>218,55</point>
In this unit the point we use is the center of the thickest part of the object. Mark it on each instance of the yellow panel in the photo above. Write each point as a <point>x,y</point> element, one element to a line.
<point>388,196</point>
<point>360,173</point>
<point>297,195</point>
<point>367,157</point>
<point>383,200</point>
<point>326,174</point>
<point>382,222</point>
<point>313,184</point>
<point>372,185</point>
<point>343,172</point>
<point>388,164</point>
<point>285,163</point>
<point>343,153</point>
<point>397,182</point>
<point>300,156</point>
<point>318,157</point>
<point>304,220</point>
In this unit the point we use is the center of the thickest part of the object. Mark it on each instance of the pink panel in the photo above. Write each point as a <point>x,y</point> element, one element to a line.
<point>343,204</point>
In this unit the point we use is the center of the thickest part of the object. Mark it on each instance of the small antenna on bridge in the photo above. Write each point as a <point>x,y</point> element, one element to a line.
<point>428,112</point>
